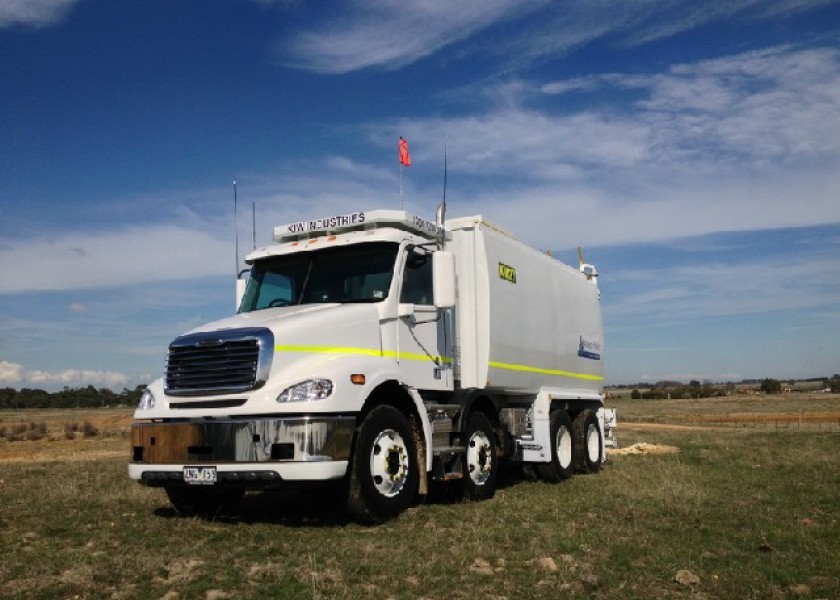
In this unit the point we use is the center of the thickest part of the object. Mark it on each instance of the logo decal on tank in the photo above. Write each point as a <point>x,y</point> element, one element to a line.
<point>589,349</point>
<point>507,273</point>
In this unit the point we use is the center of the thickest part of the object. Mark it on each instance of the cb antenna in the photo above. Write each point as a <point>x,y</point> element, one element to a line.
<point>441,211</point>
<point>254,223</point>
<point>236,229</point>
<point>445,156</point>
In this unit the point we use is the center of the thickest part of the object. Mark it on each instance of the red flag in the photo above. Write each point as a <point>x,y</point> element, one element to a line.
<point>405,159</point>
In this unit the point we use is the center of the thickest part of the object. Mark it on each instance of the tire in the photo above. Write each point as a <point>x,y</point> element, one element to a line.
<point>588,445</point>
<point>384,474</point>
<point>203,501</point>
<point>480,461</point>
<point>562,464</point>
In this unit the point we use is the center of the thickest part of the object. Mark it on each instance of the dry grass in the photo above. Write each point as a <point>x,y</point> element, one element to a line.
<point>806,411</point>
<point>738,512</point>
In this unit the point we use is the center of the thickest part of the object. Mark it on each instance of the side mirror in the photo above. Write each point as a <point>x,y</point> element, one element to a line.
<point>443,275</point>
<point>405,310</point>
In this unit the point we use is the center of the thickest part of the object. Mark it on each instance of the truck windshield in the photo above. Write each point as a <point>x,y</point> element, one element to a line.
<point>360,273</point>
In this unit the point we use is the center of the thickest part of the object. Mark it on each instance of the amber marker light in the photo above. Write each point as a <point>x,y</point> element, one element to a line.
<point>357,378</point>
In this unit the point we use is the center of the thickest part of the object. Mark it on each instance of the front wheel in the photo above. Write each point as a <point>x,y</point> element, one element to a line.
<point>384,473</point>
<point>588,442</point>
<point>562,463</point>
<point>480,461</point>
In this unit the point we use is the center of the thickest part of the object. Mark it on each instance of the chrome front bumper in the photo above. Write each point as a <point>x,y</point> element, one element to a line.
<point>307,448</point>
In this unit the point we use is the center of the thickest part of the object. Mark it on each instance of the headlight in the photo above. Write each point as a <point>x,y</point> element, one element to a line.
<point>307,391</point>
<point>147,400</point>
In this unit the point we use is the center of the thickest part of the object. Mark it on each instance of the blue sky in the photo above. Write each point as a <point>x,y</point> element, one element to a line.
<point>692,149</point>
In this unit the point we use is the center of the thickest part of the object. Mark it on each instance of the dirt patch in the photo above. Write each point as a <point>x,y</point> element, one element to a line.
<point>644,448</point>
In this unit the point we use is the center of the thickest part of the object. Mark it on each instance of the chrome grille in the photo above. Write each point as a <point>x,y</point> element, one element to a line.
<point>219,362</point>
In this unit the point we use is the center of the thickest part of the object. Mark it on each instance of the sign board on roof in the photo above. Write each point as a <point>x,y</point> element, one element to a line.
<point>358,220</point>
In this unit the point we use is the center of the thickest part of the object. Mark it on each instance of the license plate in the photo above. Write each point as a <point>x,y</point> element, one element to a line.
<point>200,475</point>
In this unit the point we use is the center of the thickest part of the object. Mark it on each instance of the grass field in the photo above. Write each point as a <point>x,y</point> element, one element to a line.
<point>748,507</point>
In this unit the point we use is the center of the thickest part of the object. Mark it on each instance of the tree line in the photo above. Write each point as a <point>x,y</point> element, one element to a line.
<point>695,389</point>
<point>84,397</point>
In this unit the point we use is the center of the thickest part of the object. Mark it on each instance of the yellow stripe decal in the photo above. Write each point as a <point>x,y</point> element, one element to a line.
<point>416,356</point>
<point>328,350</point>
<point>358,351</point>
<point>541,371</point>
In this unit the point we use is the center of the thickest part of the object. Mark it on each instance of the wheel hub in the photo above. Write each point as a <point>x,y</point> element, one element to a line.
<point>564,447</point>
<point>389,463</point>
<point>593,443</point>
<point>479,458</point>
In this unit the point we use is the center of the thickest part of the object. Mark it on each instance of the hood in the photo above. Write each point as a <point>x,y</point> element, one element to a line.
<point>293,318</point>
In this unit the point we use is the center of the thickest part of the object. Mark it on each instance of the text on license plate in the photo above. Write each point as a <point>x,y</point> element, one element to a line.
<point>200,475</point>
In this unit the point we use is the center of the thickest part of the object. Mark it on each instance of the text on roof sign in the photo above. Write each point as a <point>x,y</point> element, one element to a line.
<point>327,223</point>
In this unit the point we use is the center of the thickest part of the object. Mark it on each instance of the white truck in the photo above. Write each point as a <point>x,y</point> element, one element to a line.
<point>382,352</point>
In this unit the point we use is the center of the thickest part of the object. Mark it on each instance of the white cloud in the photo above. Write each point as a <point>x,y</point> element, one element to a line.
<point>77,378</point>
<point>657,20</point>
<point>17,375</point>
<point>719,289</point>
<point>740,143</point>
<point>37,13</point>
<point>391,34</point>
<point>10,373</point>
<point>75,260</point>
<point>779,103</point>
<point>746,142</point>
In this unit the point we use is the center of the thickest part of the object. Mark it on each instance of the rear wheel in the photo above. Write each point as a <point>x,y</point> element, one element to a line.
<point>588,443</point>
<point>384,472</point>
<point>203,501</point>
<point>562,463</point>
<point>481,465</point>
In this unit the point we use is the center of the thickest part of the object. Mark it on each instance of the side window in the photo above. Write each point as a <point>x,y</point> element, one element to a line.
<point>417,280</point>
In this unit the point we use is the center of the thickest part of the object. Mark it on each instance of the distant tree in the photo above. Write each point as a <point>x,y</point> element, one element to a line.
<point>655,393</point>
<point>636,395</point>
<point>771,386</point>
<point>694,389</point>
<point>86,397</point>
<point>834,385</point>
<point>131,397</point>
<point>33,398</point>
<point>7,397</point>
